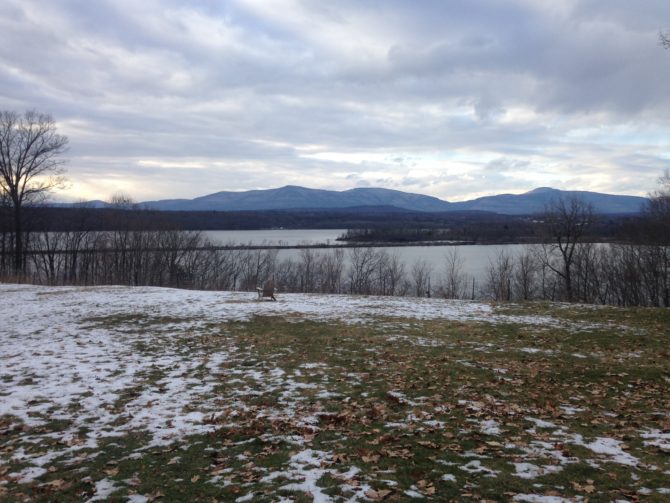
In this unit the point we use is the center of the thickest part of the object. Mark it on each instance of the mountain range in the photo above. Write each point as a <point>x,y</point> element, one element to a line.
<point>294,198</point>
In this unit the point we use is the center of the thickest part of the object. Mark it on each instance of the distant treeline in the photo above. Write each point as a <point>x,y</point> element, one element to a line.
<point>365,224</point>
<point>618,274</point>
<point>486,229</point>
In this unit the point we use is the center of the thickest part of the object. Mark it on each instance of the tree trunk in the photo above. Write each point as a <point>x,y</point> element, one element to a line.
<point>568,284</point>
<point>18,239</point>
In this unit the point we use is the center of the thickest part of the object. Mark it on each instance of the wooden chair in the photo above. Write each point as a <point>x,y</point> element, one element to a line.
<point>268,291</point>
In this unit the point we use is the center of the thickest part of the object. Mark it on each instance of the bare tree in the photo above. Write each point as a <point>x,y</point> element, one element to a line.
<point>564,225</point>
<point>454,283</point>
<point>421,271</point>
<point>122,201</point>
<point>333,269</point>
<point>391,279</point>
<point>657,219</point>
<point>525,275</point>
<point>363,263</point>
<point>500,273</point>
<point>6,237</point>
<point>664,39</point>
<point>308,269</point>
<point>29,164</point>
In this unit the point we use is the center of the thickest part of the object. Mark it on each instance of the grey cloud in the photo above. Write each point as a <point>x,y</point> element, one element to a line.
<point>503,164</point>
<point>225,84</point>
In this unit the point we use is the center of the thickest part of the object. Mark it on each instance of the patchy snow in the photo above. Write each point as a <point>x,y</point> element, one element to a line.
<point>489,427</point>
<point>306,468</point>
<point>538,498</point>
<point>657,438</point>
<point>413,492</point>
<point>475,466</point>
<point>569,410</point>
<point>540,423</point>
<point>609,447</point>
<point>246,497</point>
<point>61,359</point>
<point>312,365</point>
<point>531,471</point>
<point>28,474</point>
<point>540,449</point>
<point>416,341</point>
<point>220,306</point>
<point>103,489</point>
<point>526,470</point>
<point>401,398</point>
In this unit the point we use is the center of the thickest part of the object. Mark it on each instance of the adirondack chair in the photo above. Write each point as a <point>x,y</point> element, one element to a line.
<point>268,291</point>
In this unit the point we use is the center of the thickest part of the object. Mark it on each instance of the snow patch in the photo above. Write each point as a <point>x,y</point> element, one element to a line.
<point>475,466</point>
<point>531,471</point>
<point>489,427</point>
<point>538,498</point>
<point>103,489</point>
<point>657,438</point>
<point>611,447</point>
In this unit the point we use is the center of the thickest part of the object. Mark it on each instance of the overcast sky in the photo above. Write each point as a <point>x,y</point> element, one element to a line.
<point>452,98</point>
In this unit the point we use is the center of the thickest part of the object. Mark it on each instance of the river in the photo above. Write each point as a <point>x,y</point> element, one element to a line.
<point>475,258</point>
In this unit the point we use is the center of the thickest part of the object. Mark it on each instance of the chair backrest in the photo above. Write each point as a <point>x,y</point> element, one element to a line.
<point>268,288</point>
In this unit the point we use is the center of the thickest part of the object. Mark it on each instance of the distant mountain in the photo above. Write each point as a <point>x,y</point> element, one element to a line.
<point>536,201</point>
<point>293,197</point>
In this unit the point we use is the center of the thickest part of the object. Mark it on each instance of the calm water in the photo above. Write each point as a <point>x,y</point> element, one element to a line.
<point>277,237</point>
<point>475,258</point>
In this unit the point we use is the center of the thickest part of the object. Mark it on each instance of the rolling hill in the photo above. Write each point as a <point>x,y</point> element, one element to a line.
<point>293,197</point>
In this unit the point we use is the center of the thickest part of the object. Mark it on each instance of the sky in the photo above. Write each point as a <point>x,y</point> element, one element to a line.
<point>451,98</point>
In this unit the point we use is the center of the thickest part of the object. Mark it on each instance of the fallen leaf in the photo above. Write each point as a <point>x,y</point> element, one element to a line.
<point>377,495</point>
<point>340,458</point>
<point>57,484</point>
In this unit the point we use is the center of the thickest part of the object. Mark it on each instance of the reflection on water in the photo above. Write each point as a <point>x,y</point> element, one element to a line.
<point>476,258</point>
<point>276,237</point>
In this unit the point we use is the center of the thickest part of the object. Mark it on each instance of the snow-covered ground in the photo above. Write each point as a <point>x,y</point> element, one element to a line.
<point>57,363</point>
<point>27,306</point>
<point>60,362</point>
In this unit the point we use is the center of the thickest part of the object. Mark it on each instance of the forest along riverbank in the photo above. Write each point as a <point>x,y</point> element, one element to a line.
<point>596,274</point>
<point>289,242</point>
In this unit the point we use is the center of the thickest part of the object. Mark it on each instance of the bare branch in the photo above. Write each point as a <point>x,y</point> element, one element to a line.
<point>565,223</point>
<point>29,163</point>
<point>664,39</point>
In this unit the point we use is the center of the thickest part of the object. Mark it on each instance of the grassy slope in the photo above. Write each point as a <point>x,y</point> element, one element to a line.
<point>440,409</point>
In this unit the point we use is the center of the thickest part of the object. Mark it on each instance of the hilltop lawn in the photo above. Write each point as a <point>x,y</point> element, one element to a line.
<point>147,394</point>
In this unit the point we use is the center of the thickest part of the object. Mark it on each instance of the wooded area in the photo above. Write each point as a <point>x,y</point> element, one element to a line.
<point>565,264</point>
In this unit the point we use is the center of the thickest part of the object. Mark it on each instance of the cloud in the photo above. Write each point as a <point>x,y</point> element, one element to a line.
<point>179,98</point>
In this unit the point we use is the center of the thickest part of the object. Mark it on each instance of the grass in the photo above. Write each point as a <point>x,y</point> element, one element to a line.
<point>446,410</point>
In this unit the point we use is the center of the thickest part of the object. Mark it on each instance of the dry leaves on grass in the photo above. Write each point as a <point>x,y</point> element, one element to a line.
<point>377,494</point>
